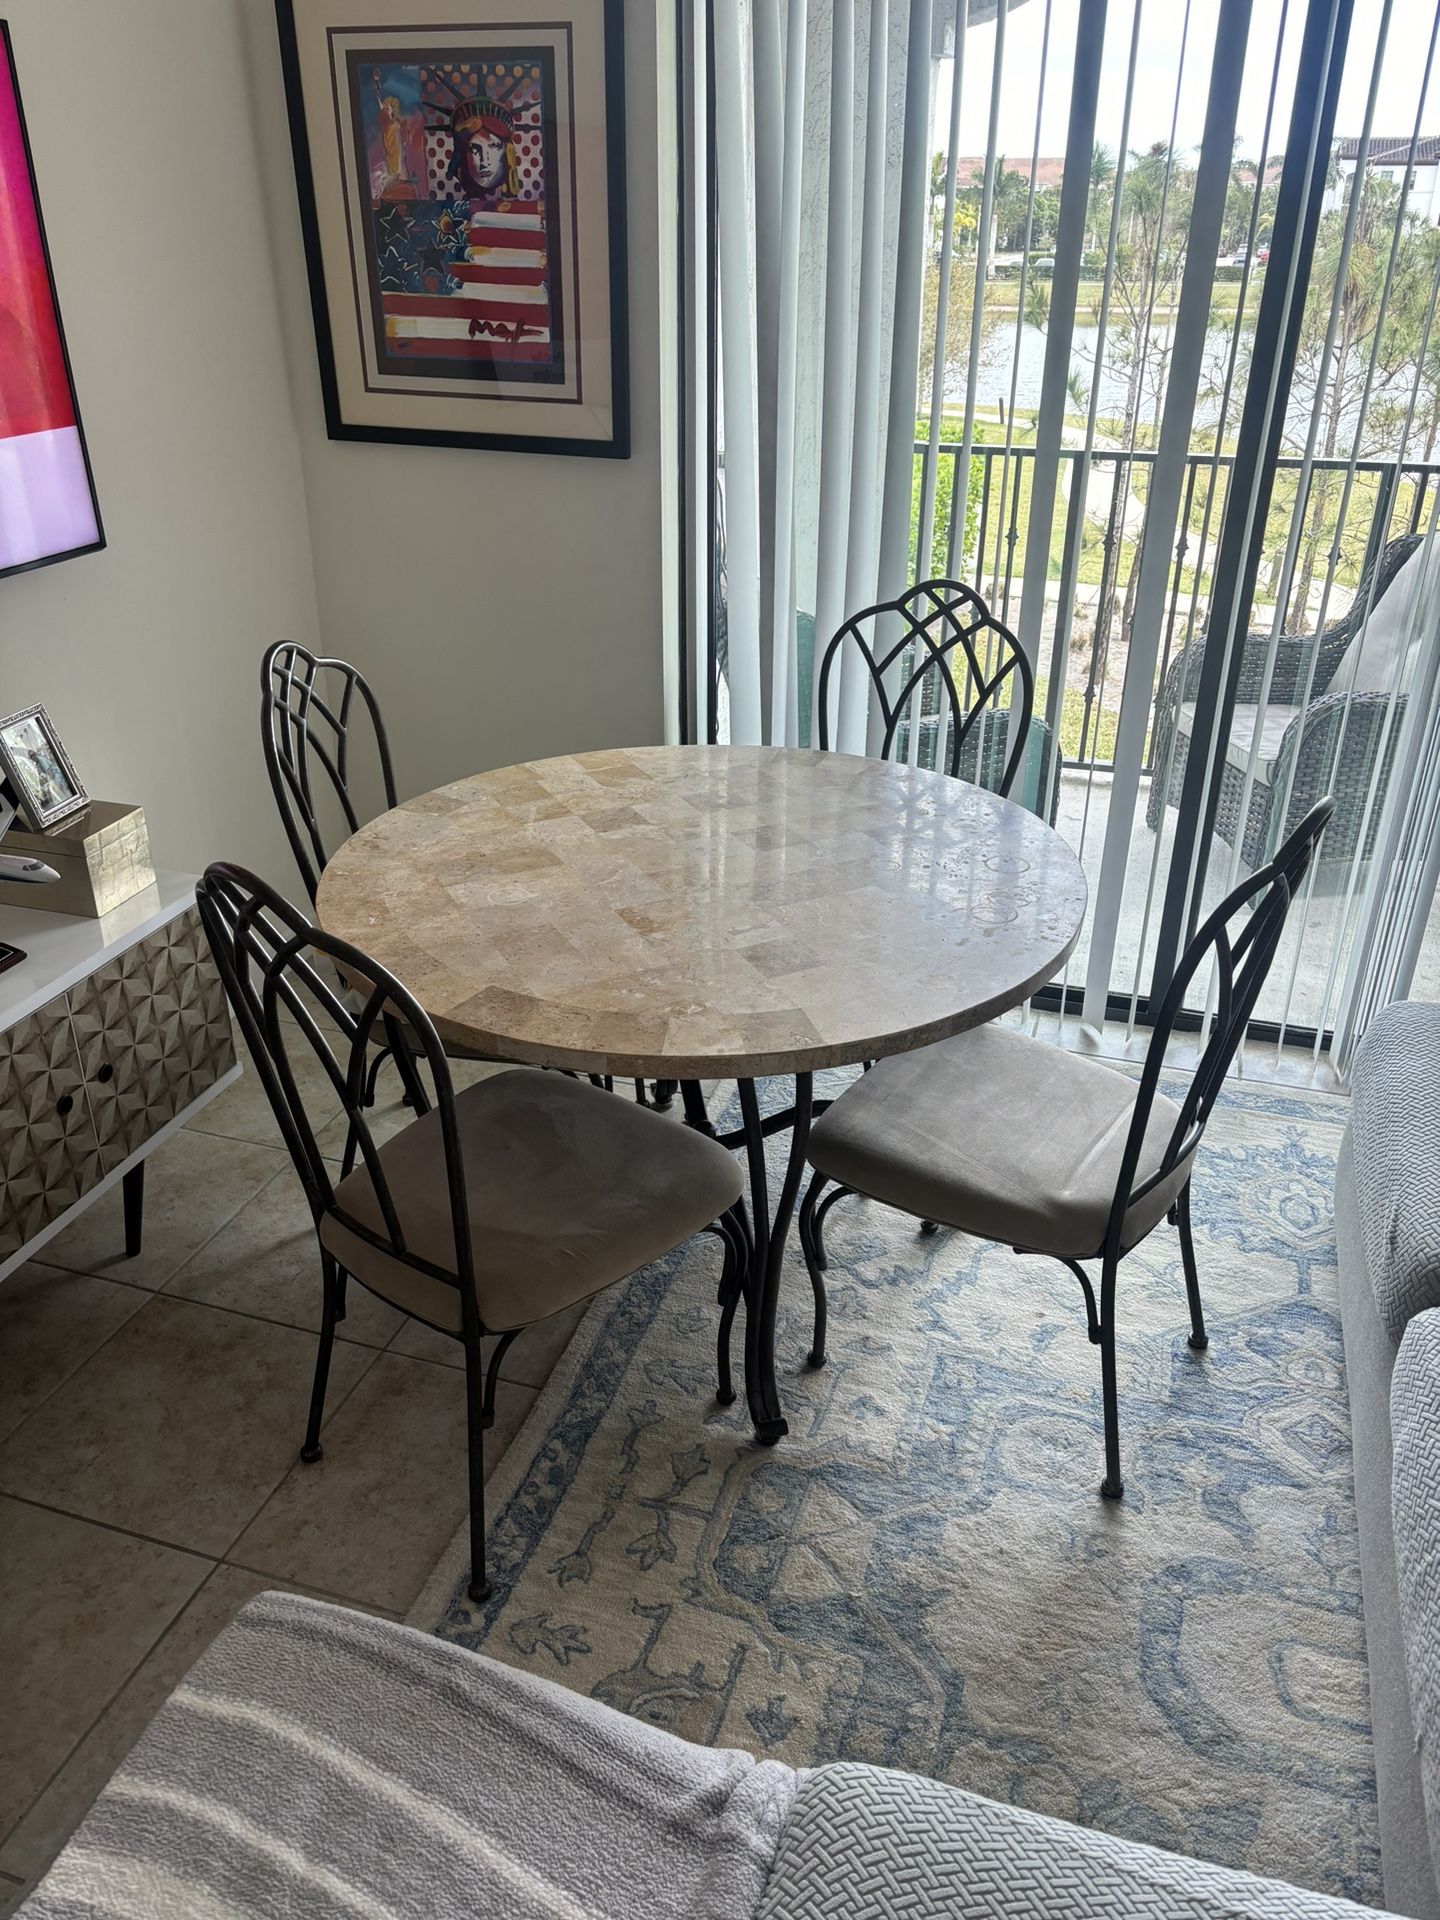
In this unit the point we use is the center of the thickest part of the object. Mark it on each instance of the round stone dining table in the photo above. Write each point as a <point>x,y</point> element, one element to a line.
<point>698,913</point>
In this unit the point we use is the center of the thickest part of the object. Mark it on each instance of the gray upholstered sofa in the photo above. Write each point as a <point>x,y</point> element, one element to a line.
<point>317,1762</point>
<point>1387,1224</point>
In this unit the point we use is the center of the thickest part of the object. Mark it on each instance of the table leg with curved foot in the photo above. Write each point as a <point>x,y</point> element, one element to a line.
<point>771,1234</point>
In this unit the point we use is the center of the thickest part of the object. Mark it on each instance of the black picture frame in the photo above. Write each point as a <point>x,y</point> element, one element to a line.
<point>615,446</point>
<point>7,54</point>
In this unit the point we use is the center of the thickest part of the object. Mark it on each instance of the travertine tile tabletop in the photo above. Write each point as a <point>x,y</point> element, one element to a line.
<point>696,912</point>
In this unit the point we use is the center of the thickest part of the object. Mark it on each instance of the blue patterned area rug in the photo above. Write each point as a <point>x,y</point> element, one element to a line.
<point>923,1573</point>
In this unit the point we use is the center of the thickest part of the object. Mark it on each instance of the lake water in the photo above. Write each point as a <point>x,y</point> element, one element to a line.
<point>998,349</point>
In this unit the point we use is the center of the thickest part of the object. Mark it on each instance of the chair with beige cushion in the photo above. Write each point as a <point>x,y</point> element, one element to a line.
<point>1015,1140</point>
<point>501,1205</point>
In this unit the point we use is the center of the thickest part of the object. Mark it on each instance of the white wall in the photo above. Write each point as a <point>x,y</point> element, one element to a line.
<point>506,606</point>
<point>147,654</point>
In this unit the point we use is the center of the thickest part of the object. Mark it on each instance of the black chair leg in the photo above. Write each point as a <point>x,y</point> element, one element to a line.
<point>813,1248</point>
<point>1112,1486</point>
<point>1199,1338</point>
<point>382,1054</point>
<point>479,1413</point>
<point>331,1311</point>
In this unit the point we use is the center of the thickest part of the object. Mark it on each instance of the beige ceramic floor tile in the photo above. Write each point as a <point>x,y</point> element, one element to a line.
<point>266,1261</point>
<point>12,1892</point>
<point>51,1322</point>
<point>193,1184</point>
<point>179,1427</point>
<point>370,1520</point>
<point>80,1607</point>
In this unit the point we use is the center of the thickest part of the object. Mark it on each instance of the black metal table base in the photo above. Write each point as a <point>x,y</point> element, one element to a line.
<point>770,1233</point>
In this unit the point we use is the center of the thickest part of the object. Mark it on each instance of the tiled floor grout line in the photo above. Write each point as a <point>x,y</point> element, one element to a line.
<point>110,1526</point>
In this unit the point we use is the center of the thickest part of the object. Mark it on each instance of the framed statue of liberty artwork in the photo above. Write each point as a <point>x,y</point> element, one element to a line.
<point>460,166</point>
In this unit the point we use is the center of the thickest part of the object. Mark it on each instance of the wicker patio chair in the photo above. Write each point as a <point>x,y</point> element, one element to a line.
<point>1297,742</point>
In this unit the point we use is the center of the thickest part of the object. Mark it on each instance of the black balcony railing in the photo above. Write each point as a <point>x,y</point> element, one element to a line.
<point>1095,551</point>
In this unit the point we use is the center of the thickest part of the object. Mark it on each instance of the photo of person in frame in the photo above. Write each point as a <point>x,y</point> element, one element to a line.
<point>37,770</point>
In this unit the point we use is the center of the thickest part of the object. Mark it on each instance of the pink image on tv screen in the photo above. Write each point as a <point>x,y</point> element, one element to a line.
<point>47,501</point>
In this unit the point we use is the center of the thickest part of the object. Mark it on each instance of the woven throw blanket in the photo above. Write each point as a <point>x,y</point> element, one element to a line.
<point>319,1762</point>
<point>866,1843</point>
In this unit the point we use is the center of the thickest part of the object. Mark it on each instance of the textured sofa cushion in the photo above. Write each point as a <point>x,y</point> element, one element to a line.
<point>863,1842</point>
<point>1395,1133</point>
<point>1415,1508</point>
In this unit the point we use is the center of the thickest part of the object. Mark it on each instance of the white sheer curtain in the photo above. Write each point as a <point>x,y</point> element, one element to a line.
<point>822,111</point>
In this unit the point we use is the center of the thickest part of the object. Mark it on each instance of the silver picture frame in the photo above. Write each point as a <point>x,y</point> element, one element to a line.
<point>38,771</point>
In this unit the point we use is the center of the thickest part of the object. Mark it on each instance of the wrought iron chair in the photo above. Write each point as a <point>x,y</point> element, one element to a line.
<point>962,722</point>
<point>500,1206</point>
<point>316,713</point>
<point>1015,1140</point>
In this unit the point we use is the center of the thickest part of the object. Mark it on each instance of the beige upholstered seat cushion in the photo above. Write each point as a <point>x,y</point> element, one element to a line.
<point>1007,1138</point>
<point>569,1189</point>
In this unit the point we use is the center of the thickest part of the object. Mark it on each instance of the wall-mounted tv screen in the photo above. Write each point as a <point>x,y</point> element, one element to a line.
<point>48,508</point>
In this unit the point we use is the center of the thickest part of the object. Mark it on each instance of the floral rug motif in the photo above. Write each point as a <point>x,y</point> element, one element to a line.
<point>923,1574</point>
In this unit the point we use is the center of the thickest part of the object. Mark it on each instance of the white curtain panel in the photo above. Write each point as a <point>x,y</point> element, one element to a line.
<point>822,113</point>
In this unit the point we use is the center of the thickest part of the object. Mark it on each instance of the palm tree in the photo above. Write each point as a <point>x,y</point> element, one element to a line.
<point>1102,181</point>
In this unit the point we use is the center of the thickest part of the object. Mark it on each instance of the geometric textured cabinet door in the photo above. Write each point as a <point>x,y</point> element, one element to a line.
<point>49,1155</point>
<point>153,1034</point>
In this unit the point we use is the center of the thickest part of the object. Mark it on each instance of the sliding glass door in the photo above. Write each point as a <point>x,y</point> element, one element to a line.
<point>1122,312</point>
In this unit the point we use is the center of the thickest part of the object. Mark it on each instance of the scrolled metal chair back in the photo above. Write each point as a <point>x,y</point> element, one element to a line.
<point>265,951</point>
<point>1242,959</point>
<point>911,648</point>
<point>314,711</point>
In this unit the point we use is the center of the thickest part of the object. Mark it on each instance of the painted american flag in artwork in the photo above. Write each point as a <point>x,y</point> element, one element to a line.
<point>503,306</point>
<point>457,155</point>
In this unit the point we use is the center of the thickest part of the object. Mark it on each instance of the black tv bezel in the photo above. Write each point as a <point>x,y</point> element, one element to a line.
<point>7,48</point>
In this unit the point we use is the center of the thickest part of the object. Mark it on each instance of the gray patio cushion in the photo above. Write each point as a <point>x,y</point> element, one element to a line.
<point>1415,1504</point>
<point>1273,727</point>
<point>569,1189</point>
<point>1004,1137</point>
<point>1395,1132</point>
<point>863,1842</point>
<point>317,1762</point>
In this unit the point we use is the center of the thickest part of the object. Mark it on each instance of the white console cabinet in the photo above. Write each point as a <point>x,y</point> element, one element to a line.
<point>113,1032</point>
